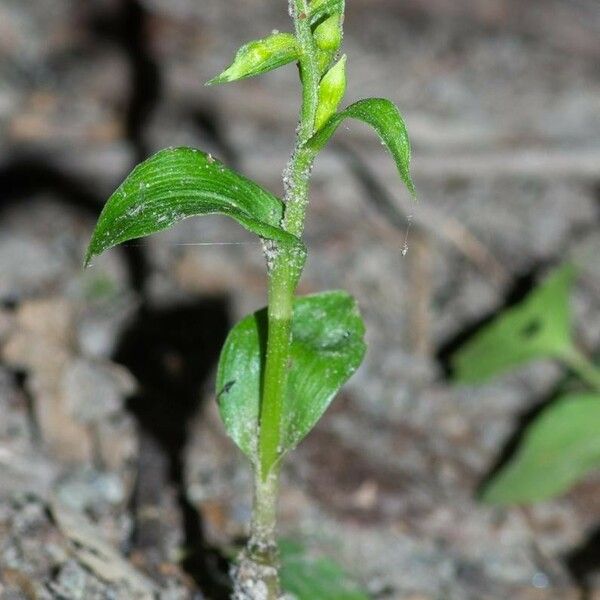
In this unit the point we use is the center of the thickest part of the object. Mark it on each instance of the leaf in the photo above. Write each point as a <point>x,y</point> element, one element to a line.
<point>260,56</point>
<point>320,9</point>
<point>538,327</point>
<point>559,448</point>
<point>327,347</point>
<point>179,183</point>
<point>309,578</point>
<point>387,121</point>
<point>331,92</point>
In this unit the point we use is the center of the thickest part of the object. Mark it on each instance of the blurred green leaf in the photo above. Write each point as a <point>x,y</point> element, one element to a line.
<point>315,578</point>
<point>559,448</point>
<point>327,347</point>
<point>331,92</point>
<point>260,56</point>
<point>320,9</point>
<point>387,121</point>
<point>99,287</point>
<point>179,183</point>
<point>538,327</point>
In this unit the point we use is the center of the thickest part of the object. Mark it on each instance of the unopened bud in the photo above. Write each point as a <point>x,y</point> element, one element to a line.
<point>331,92</point>
<point>260,56</point>
<point>324,59</point>
<point>328,35</point>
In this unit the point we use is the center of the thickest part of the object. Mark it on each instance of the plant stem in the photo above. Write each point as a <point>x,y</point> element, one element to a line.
<point>583,367</point>
<point>280,312</point>
<point>283,279</point>
<point>297,174</point>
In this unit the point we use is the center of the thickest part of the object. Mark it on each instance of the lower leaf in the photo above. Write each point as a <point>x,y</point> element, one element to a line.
<point>327,348</point>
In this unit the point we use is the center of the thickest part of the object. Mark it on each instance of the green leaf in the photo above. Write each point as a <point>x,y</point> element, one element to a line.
<point>179,183</point>
<point>309,578</point>
<point>538,327</point>
<point>327,347</point>
<point>331,92</point>
<point>558,449</point>
<point>320,9</point>
<point>260,56</point>
<point>387,121</point>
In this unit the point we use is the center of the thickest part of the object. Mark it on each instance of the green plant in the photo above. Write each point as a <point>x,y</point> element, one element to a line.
<point>281,366</point>
<point>562,444</point>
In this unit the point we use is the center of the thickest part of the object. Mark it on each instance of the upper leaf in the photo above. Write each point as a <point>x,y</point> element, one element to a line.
<point>560,447</point>
<point>538,327</point>
<point>327,347</point>
<point>179,183</point>
<point>260,56</point>
<point>321,9</point>
<point>386,119</point>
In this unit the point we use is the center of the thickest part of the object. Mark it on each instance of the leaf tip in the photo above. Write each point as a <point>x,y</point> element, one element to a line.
<point>89,255</point>
<point>216,80</point>
<point>412,190</point>
<point>91,252</point>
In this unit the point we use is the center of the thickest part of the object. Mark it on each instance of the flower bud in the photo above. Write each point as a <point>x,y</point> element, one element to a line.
<point>328,35</point>
<point>331,92</point>
<point>260,56</point>
<point>324,59</point>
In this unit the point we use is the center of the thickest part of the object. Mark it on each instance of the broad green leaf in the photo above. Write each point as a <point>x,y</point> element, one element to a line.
<point>387,121</point>
<point>320,9</point>
<point>308,578</point>
<point>260,56</point>
<point>331,92</point>
<point>179,183</point>
<point>327,347</point>
<point>559,448</point>
<point>538,327</point>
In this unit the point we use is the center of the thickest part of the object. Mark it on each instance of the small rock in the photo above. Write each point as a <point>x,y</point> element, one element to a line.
<point>83,490</point>
<point>71,581</point>
<point>94,391</point>
<point>50,318</point>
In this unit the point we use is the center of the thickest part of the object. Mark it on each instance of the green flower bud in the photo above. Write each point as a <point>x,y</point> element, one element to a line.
<point>331,92</point>
<point>260,56</point>
<point>328,35</point>
<point>324,59</point>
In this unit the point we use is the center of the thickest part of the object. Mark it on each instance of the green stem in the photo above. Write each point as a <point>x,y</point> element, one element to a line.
<point>297,174</point>
<point>283,278</point>
<point>287,261</point>
<point>280,312</point>
<point>583,367</point>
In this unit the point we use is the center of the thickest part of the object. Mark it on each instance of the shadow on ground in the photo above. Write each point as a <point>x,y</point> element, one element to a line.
<point>172,352</point>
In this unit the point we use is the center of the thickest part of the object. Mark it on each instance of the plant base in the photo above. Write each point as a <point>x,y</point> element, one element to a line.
<point>255,580</point>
